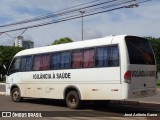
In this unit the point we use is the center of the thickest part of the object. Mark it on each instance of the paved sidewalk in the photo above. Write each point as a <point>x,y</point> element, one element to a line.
<point>153,99</point>
<point>153,102</point>
<point>2,89</point>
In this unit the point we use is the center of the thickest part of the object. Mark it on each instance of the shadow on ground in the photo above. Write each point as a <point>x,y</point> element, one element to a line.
<point>98,109</point>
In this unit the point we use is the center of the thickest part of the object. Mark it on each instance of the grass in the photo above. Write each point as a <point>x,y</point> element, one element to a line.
<point>158,83</point>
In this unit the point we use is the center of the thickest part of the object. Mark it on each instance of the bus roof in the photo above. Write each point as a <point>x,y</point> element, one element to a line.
<point>69,46</point>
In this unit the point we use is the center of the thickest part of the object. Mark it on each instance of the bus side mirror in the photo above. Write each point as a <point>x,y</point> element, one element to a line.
<point>5,68</point>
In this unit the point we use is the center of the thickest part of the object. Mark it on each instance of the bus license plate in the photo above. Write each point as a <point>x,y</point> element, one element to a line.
<point>144,93</point>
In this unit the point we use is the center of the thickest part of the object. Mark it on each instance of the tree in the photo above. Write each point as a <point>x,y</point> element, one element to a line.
<point>6,55</point>
<point>62,41</point>
<point>155,43</point>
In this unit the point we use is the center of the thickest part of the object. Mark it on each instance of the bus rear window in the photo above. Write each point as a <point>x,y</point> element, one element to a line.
<point>140,51</point>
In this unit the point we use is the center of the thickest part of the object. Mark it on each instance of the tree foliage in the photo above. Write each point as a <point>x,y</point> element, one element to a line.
<point>62,41</point>
<point>155,43</point>
<point>6,55</point>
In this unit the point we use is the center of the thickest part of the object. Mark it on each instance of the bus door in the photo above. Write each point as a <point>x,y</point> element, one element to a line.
<point>14,74</point>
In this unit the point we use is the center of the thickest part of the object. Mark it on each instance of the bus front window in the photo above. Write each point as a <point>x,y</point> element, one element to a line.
<point>15,66</point>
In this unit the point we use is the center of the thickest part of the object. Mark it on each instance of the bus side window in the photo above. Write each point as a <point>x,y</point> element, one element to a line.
<point>41,62</point>
<point>107,56</point>
<point>88,58</point>
<point>45,62</point>
<point>77,59</point>
<point>55,61</point>
<point>113,56</point>
<point>65,60</point>
<point>15,66</point>
<point>26,63</point>
<point>101,57</point>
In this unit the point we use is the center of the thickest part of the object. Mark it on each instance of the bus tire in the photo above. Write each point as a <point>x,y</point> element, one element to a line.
<point>72,100</point>
<point>16,95</point>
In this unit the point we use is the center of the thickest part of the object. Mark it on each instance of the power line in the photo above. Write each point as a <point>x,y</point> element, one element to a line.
<point>14,37</point>
<point>23,32</point>
<point>89,12</point>
<point>61,20</point>
<point>63,13</point>
<point>9,35</point>
<point>54,14</point>
<point>65,17</point>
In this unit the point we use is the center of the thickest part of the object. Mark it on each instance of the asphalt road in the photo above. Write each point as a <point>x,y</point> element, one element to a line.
<point>57,108</point>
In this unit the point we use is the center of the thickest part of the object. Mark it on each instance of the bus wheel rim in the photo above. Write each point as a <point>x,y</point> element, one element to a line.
<point>72,100</point>
<point>15,95</point>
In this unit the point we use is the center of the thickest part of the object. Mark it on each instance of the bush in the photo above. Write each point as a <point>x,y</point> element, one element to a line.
<point>158,83</point>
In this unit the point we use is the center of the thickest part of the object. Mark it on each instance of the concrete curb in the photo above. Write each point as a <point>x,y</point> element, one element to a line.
<point>137,103</point>
<point>149,105</point>
<point>2,93</point>
<point>2,83</point>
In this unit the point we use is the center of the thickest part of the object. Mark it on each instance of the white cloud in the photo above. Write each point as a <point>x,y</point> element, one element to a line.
<point>142,21</point>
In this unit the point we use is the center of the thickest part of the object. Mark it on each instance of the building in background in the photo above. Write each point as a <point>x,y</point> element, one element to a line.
<point>27,44</point>
<point>20,42</point>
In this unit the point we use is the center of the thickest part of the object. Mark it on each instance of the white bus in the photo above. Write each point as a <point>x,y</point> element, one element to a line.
<point>110,68</point>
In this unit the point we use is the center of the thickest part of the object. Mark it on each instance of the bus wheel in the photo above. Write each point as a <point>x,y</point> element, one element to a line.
<point>72,100</point>
<point>15,95</point>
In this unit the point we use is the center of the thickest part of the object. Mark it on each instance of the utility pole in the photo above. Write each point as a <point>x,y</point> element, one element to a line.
<point>82,12</point>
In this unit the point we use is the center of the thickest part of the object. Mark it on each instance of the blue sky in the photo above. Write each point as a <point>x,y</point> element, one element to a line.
<point>141,21</point>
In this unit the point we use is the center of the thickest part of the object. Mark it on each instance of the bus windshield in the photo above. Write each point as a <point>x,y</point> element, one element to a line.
<point>140,51</point>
